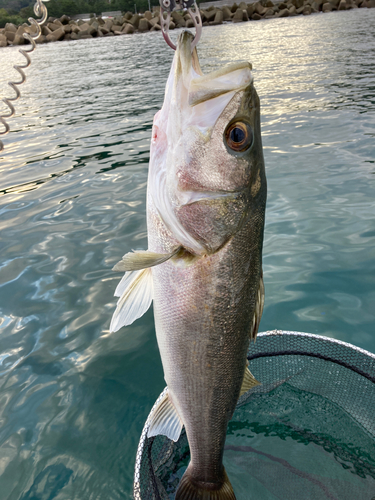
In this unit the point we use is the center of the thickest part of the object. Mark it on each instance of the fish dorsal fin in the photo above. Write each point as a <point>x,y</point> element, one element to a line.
<point>258,309</point>
<point>165,420</point>
<point>136,293</point>
<point>141,259</point>
<point>249,381</point>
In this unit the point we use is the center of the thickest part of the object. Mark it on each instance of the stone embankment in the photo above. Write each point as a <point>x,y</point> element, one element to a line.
<point>68,29</point>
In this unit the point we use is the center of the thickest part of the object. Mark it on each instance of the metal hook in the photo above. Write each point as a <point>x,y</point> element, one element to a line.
<point>169,6</point>
<point>40,10</point>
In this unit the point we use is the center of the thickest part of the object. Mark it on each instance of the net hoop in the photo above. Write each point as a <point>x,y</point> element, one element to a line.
<point>271,344</point>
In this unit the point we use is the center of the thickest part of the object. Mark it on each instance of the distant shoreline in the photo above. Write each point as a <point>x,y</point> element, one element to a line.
<point>66,28</point>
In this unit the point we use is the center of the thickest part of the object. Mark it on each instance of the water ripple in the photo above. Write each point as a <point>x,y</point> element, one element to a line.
<point>73,399</point>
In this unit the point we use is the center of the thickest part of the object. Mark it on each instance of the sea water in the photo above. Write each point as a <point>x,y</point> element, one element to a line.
<point>73,398</point>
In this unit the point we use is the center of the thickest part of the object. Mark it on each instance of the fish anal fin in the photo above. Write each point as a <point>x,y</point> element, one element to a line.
<point>165,420</point>
<point>142,259</point>
<point>249,381</point>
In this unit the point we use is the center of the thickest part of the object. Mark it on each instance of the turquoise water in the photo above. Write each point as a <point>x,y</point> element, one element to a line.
<point>286,444</point>
<point>73,399</point>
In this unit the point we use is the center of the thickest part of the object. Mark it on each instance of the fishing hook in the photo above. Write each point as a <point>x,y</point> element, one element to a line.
<point>40,10</point>
<point>191,7</point>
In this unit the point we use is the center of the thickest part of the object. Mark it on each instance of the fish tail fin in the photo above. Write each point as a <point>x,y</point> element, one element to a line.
<point>192,489</point>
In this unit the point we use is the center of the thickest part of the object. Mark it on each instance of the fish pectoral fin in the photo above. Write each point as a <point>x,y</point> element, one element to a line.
<point>136,291</point>
<point>142,259</point>
<point>258,309</point>
<point>165,420</point>
<point>249,381</point>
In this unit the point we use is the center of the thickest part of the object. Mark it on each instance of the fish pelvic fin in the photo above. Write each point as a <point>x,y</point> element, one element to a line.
<point>258,309</point>
<point>249,381</point>
<point>136,291</point>
<point>142,259</point>
<point>193,489</point>
<point>165,420</point>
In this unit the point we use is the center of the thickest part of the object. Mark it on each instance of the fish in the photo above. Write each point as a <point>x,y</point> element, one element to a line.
<point>206,199</point>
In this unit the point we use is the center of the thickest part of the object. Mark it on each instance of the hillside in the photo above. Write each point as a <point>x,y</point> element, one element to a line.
<point>71,7</point>
<point>15,5</point>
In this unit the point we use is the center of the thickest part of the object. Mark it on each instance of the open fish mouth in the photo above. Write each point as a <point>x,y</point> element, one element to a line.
<point>201,88</point>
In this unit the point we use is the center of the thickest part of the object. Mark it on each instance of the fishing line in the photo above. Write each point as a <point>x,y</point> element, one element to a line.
<point>40,10</point>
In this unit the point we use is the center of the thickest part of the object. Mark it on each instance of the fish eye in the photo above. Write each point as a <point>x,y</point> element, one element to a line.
<point>239,136</point>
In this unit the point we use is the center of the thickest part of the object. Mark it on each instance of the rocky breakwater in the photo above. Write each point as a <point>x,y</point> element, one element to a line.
<point>68,29</point>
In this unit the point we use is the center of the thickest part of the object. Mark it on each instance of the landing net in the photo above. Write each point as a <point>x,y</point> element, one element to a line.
<point>308,431</point>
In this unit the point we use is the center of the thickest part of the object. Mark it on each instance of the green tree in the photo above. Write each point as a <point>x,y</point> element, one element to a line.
<point>6,18</point>
<point>27,12</point>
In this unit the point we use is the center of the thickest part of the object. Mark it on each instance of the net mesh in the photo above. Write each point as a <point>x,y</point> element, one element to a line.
<point>308,431</point>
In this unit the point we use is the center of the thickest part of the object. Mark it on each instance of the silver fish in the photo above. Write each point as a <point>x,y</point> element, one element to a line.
<point>205,214</point>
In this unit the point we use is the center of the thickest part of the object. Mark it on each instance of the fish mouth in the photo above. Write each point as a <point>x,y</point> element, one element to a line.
<point>231,78</point>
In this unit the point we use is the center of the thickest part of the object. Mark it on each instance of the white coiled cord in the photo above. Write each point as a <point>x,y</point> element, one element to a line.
<point>40,11</point>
